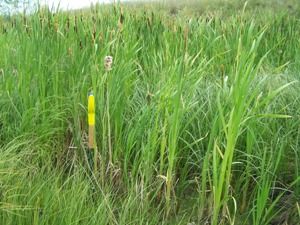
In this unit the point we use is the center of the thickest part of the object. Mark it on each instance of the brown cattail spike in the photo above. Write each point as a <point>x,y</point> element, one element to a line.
<point>112,34</point>
<point>120,26</point>
<point>80,44</point>
<point>70,53</point>
<point>186,34</point>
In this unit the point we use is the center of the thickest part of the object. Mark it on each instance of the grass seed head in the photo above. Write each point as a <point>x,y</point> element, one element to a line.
<point>108,60</point>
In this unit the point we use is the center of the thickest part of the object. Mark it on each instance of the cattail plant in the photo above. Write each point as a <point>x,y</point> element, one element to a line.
<point>108,60</point>
<point>93,36</point>
<point>70,53</point>
<point>112,34</point>
<point>192,121</point>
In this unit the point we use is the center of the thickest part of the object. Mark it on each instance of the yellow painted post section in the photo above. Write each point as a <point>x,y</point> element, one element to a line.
<point>91,110</point>
<point>91,122</point>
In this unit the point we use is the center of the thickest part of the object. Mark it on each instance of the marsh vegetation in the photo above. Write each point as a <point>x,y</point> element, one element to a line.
<point>197,121</point>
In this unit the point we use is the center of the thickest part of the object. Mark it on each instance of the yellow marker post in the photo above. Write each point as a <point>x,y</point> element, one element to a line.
<point>91,122</point>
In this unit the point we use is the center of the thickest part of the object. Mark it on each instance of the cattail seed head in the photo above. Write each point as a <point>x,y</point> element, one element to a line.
<point>101,36</point>
<point>93,36</point>
<point>120,26</point>
<point>56,26</point>
<point>70,53</point>
<point>108,60</point>
<point>112,34</point>
<point>80,44</point>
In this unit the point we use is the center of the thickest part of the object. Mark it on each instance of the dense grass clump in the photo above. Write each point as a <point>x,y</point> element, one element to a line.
<point>196,122</point>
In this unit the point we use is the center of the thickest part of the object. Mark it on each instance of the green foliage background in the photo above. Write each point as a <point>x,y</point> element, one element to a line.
<point>198,120</point>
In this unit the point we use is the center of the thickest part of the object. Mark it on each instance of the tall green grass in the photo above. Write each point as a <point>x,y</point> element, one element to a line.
<point>198,120</point>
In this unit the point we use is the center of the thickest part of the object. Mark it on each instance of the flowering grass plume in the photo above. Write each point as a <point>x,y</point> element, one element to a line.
<point>108,60</point>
